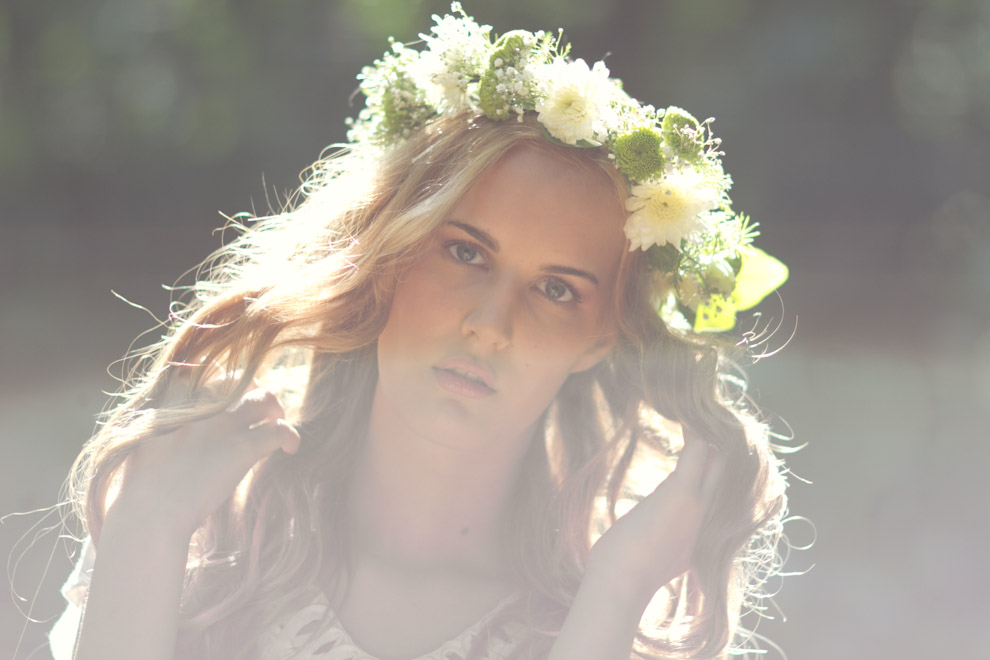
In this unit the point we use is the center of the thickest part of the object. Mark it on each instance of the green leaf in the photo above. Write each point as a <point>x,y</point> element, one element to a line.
<point>580,144</point>
<point>665,258</point>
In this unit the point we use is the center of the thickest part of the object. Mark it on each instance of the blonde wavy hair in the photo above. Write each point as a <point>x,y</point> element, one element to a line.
<point>297,301</point>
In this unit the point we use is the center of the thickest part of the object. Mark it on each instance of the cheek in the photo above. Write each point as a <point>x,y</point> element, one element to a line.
<point>548,358</point>
<point>557,338</point>
<point>420,305</point>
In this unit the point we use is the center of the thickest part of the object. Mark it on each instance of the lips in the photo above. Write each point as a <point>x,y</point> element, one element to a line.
<point>465,377</point>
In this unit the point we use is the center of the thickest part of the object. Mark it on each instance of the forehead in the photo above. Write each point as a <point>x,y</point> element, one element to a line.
<point>534,200</point>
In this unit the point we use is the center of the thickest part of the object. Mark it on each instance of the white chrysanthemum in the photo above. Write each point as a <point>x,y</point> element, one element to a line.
<point>667,210</point>
<point>575,99</point>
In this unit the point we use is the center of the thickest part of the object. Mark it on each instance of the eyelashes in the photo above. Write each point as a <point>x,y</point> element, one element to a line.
<point>466,253</point>
<point>554,289</point>
<point>558,291</point>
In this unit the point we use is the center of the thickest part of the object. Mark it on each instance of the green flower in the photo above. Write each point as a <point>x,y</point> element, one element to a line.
<point>682,134</point>
<point>400,112</point>
<point>509,54</point>
<point>395,105</point>
<point>638,154</point>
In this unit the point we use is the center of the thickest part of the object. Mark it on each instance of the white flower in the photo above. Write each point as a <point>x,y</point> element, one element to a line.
<point>445,88</point>
<point>457,48</point>
<point>575,99</point>
<point>667,210</point>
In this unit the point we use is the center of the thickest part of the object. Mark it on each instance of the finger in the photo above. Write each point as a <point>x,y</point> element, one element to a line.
<point>257,407</point>
<point>196,383</point>
<point>180,381</point>
<point>276,434</point>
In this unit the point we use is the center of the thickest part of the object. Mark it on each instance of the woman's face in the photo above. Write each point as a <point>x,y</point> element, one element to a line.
<point>511,296</point>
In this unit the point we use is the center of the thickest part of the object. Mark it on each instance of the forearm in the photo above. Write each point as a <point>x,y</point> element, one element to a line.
<point>602,622</point>
<point>132,609</point>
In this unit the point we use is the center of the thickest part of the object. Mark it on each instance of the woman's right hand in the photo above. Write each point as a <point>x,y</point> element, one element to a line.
<point>179,478</point>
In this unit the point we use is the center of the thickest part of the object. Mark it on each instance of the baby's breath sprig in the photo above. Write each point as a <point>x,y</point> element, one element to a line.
<point>679,208</point>
<point>506,85</point>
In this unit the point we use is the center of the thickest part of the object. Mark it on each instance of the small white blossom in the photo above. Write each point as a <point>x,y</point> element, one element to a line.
<point>456,48</point>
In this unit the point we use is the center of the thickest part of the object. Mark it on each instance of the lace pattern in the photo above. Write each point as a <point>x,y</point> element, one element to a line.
<point>313,632</point>
<point>316,633</point>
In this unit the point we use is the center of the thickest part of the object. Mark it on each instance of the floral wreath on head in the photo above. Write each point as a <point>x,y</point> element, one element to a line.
<point>679,209</point>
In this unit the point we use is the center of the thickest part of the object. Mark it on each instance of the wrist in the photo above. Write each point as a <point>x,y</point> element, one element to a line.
<point>130,517</point>
<point>604,617</point>
<point>618,586</point>
<point>132,606</point>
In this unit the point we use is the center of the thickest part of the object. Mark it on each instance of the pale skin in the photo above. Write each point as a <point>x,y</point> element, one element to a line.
<point>510,298</point>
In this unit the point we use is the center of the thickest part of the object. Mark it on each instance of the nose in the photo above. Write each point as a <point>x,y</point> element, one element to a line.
<point>489,318</point>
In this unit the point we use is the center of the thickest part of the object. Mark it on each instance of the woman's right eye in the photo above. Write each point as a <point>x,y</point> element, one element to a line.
<point>466,253</point>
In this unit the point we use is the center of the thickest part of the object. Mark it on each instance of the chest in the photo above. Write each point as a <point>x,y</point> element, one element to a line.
<point>396,613</point>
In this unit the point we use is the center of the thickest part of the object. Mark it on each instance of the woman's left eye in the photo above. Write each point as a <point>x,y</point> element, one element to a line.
<point>558,291</point>
<point>465,253</point>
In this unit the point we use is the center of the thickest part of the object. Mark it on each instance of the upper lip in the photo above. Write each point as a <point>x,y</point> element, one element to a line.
<point>471,366</point>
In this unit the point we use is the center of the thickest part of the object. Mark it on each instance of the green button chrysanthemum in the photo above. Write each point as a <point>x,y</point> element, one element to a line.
<point>638,155</point>
<point>682,134</point>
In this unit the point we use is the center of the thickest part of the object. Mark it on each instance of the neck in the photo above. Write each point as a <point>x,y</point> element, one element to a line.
<point>422,503</point>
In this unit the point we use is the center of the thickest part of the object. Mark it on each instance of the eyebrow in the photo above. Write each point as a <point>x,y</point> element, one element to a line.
<point>489,242</point>
<point>483,236</point>
<point>567,270</point>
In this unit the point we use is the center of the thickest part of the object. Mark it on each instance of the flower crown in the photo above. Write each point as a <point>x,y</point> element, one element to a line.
<point>679,209</point>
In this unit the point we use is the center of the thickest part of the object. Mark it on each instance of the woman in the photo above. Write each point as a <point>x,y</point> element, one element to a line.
<point>391,421</point>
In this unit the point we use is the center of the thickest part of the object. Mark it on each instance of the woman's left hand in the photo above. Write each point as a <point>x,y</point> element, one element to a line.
<point>653,543</point>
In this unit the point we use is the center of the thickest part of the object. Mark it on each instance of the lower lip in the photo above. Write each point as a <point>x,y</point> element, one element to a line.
<point>461,386</point>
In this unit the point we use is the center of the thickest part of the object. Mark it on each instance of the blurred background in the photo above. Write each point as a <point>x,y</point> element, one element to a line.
<point>857,133</point>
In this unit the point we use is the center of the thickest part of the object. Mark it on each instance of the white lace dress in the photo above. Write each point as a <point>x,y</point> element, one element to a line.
<point>293,637</point>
